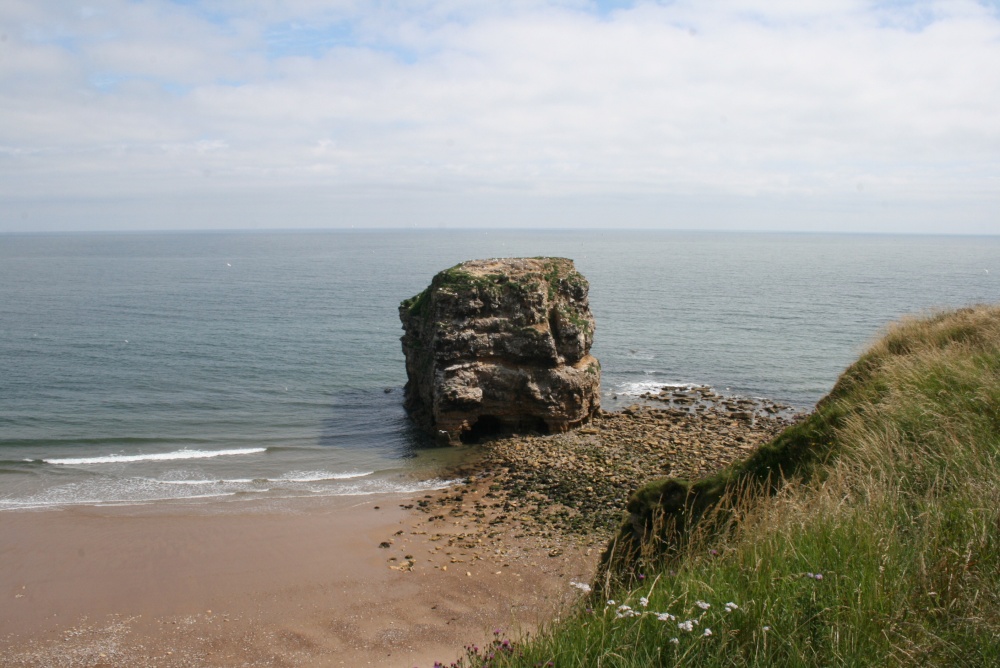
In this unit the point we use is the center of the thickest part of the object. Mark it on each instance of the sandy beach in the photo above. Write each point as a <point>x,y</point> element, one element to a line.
<point>354,581</point>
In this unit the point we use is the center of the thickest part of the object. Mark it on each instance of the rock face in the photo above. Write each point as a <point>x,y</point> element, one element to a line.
<point>501,345</point>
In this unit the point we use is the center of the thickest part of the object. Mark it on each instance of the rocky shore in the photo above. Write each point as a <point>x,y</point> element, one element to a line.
<point>570,489</point>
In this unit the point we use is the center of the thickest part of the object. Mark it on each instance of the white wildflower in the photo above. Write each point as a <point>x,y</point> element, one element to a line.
<point>686,626</point>
<point>675,641</point>
<point>644,601</point>
<point>626,611</point>
<point>611,601</point>
<point>703,605</point>
<point>766,629</point>
<point>665,617</point>
<point>582,586</point>
<point>731,606</point>
<point>707,632</point>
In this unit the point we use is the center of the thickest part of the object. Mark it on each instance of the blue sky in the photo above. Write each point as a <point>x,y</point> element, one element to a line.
<point>838,115</point>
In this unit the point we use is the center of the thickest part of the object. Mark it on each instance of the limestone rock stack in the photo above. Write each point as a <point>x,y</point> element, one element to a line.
<point>501,345</point>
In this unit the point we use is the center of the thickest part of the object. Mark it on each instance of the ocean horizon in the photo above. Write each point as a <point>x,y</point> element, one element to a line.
<point>144,367</point>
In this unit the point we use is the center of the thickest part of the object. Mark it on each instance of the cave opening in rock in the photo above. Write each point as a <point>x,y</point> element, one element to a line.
<point>486,427</point>
<point>490,426</point>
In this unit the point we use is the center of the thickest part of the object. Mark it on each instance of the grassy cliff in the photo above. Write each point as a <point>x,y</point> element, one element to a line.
<point>868,534</point>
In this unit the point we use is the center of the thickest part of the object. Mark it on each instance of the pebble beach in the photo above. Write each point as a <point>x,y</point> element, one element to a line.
<point>574,486</point>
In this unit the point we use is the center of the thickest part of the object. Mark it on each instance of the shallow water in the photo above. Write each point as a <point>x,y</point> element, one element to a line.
<point>137,367</point>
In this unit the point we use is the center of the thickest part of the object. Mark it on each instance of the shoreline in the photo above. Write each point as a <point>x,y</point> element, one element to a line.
<point>386,580</point>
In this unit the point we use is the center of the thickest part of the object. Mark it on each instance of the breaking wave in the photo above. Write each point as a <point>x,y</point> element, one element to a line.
<point>154,457</point>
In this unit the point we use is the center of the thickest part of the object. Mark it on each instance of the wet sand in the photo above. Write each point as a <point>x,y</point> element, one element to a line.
<point>326,582</point>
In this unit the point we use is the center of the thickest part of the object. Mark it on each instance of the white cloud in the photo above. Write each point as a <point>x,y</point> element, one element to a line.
<point>796,106</point>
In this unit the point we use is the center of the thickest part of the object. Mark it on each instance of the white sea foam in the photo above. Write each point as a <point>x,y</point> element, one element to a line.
<point>40,503</point>
<point>139,491</point>
<point>291,477</point>
<point>638,388</point>
<point>387,487</point>
<point>319,476</point>
<point>231,481</point>
<point>153,457</point>
<point>106,491</point>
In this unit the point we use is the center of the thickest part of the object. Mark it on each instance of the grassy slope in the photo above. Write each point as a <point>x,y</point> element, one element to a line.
<point>867,535</point>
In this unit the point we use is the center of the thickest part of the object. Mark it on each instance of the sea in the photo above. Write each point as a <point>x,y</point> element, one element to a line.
<point>213,368</point>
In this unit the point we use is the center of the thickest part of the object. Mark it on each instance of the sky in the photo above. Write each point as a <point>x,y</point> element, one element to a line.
<point>784,115</point>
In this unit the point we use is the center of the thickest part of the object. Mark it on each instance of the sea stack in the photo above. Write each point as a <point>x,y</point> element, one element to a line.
<point>500,345</point>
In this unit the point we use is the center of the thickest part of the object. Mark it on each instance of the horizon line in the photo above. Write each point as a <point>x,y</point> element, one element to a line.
<point>427,229</point>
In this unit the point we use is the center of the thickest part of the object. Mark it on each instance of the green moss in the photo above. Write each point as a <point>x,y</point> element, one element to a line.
<point>557,273</point>
<point>573,317</point>
<point>453,279</point>
<point>418,304</point>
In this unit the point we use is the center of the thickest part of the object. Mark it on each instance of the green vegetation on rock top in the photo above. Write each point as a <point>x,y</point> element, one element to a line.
<point>554,271</point>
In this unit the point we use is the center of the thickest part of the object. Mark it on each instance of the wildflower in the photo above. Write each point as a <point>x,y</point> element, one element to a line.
<point>582,586</point>
<point>665,617</point>
<point>626,611</point>
<point>819,576</point>
<point>714,553</point>
<point>641,577</point>
<point>766,629</point>
<point>703,605</point>
<point>643,601</point>
<point>731,606</point>
<point>675,641</point>
<point>611,601</point>
<point>686,626</point>
<point>707,632</point>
